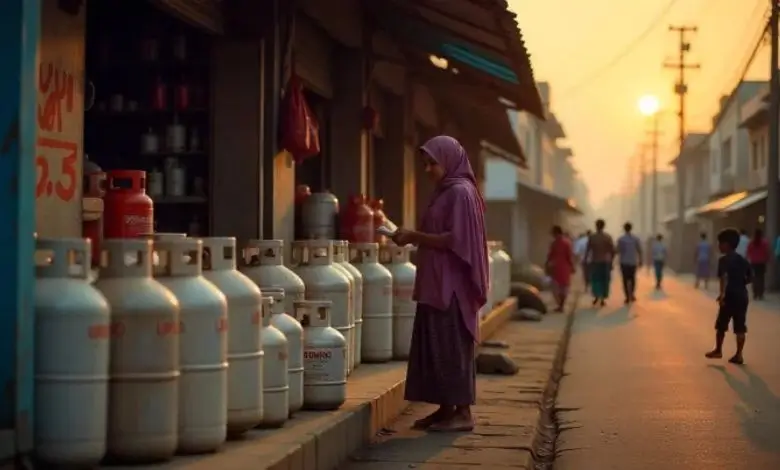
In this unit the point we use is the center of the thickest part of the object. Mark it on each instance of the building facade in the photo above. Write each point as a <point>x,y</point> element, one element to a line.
<point>524,203</point>
<point>198,86</point>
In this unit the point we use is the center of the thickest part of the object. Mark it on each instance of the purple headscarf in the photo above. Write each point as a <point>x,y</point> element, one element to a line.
<point>456,207</point>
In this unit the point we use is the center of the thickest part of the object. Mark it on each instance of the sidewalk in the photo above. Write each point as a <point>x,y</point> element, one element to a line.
<point>325,440</point>
<point>509,411</point>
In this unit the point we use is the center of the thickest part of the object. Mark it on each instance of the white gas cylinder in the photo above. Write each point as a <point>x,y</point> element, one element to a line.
<point>144,363</point>
<point>324,357</point>
<point>313,262</point>
<point>245,347</point>
<point>263,263</point>
<point>377,341</point>
<point>357,297</point>
<point>491,280</point>
<point>396,259</point>
<point>162,236</point>
<point>502,271</point>
<point>339,258</point>
<point>488,307</point>
<point>72,334</point>
<point>203,346</point>
<point>293,331</point>
<point>276,384</point>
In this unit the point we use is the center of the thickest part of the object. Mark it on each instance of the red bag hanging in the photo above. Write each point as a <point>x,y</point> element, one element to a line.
<point>300,130</point>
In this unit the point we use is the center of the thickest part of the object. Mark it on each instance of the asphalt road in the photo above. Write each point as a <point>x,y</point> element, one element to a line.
<point>644,397</point>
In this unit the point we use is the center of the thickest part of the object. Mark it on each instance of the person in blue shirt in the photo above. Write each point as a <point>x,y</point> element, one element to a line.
<point>735,274</point>
<point>702,257</point>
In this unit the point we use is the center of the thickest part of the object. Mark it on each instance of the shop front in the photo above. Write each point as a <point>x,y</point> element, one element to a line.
<point>95,87</point>
<point>185,97</point>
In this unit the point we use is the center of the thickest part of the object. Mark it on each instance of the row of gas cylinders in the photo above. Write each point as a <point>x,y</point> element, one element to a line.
<point>499,275</point>
<point>172,349</point>
<point>319,216</point>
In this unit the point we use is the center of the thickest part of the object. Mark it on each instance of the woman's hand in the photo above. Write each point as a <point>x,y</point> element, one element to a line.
<point>402,237</point>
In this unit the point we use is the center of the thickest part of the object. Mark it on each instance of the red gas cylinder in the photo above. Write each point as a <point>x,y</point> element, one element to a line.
<point>302,192</point>
<point>129,211</point>
<point>92,206</point>
<point>357,221</point>
<point>378,206</point>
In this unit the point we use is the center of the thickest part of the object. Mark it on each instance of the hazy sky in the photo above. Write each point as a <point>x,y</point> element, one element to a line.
<point>571,40</point>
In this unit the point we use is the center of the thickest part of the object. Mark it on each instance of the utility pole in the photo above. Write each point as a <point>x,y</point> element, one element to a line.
<point>681,89</point>
<point>642,189</point>
<point>654,135</point>
<point>630,199</point>
<point>772,183</point>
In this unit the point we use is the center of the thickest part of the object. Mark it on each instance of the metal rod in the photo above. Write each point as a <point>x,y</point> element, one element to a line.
<point>772,182</point>
<point>654,181</point>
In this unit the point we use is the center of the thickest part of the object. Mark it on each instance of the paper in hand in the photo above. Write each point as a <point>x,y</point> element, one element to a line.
<point>384,230</point>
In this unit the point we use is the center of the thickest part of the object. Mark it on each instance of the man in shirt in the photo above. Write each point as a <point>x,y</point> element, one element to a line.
<point>744,241</point>
<point>629,250</point>
<point>601,250</point>
<point>580,248</point>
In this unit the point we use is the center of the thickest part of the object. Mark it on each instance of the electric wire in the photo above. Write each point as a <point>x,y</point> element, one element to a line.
<point>630,47</point>
<point>738,73</point>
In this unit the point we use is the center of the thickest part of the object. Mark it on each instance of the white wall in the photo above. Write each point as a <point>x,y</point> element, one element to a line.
<point>730,145</point>
<point>500,180</point>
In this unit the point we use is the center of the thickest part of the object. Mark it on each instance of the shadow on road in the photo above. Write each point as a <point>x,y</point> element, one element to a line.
<point>760,407</point>
<point>657,295</point>
<point>594,318</point>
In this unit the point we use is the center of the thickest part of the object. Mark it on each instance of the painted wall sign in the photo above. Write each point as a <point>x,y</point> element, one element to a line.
<point>60,121</point>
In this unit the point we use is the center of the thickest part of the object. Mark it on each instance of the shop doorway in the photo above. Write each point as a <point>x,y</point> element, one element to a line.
<point>148,107</point>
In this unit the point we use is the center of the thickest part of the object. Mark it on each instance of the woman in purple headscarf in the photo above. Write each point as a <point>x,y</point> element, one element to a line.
<point>451,287</point>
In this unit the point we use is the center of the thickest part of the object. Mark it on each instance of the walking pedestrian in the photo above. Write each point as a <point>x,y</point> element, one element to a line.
<point>758,257</point>
<point>580,250</point>
<point>560,266</point>
<point>451,287</point>
<point>702,258</point>
<point>659,260</point>
<point>629,249</point>
<point>735,274</point>
<point>601,249</point>
<point>744,240</point>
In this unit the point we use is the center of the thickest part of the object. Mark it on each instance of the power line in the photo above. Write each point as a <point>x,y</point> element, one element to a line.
<point>626,51</point>
<point>738,74</point>
<point>742,73</point>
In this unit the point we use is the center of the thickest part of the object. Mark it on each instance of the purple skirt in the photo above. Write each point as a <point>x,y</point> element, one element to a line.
<point>441,366</point>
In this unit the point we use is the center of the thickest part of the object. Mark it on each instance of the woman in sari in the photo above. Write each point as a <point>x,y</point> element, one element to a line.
<point>450,288</point>
<point>560,266</point>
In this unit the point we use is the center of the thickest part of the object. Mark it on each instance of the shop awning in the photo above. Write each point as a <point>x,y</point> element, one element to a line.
<point>489,122</point>
<point>563,203</point>
<point>748,201</point>
<point>513,158</point>
<point>719,205</point>
<point>205,14</point>
<point>690,216</point>
<point>479,39</point>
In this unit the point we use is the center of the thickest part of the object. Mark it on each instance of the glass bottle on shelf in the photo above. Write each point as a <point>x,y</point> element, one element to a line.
<point>150,143</point>
<point>176,136</point>
<point>154,183</point>
<point>175,178</point>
